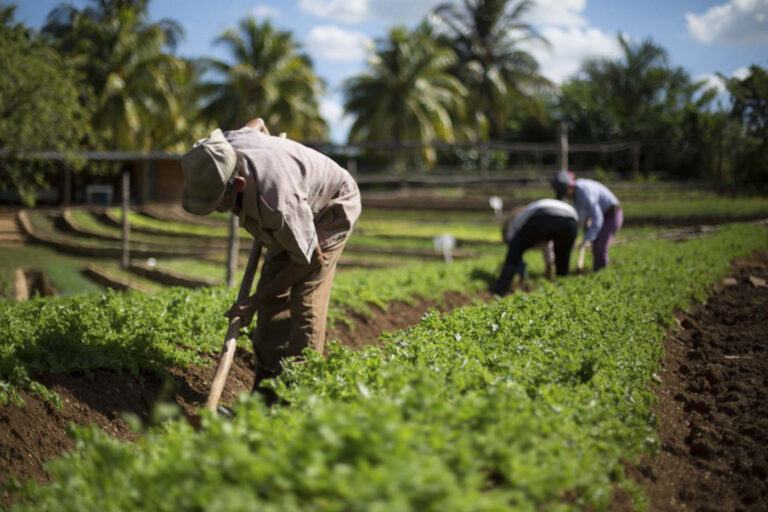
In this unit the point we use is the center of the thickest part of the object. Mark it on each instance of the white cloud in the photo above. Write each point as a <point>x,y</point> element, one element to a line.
<point>265,11</point>
<point>570,47</point>
<point>741,73</point>
<point>712,80</point>
<point>344,11</point>
<point>358,11</point>
<point>406,12</point>
<point>561,13</point>
<point>737,22</point>
<point>334,43</point>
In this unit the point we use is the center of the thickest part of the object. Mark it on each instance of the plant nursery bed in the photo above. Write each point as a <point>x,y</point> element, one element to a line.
<point>712,407</point>
<point>37,432</point>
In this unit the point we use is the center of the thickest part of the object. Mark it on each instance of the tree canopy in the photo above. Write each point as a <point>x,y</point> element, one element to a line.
<point>749,109</point>
<point>407,94</point>
<point>491,40</point>
<point>126,61</point>
<point>267,77</point>
<point>41,108</point>
<point>104,76</point>
<point>639,97</point>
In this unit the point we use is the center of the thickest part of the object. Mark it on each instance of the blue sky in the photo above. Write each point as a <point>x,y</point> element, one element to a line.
<point>702,36</point>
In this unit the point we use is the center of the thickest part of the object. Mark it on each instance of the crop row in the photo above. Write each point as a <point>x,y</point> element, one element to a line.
<point>134,331</point>
<point>533,402</point>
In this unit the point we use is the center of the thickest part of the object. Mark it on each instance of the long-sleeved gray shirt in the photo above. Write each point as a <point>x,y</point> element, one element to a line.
<point>592,198</point>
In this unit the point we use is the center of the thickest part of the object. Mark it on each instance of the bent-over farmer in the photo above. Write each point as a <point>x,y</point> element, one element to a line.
<point>599,212</point>
<point>298,203</point>
<point>546,222</point>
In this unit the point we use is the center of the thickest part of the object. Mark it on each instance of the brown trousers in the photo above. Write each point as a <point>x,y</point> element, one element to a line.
<point>296,319</point>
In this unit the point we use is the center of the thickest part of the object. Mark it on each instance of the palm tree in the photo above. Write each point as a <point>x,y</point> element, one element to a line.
<point>407,94</point>
<point>639,87</point>
<point>124,61</point>
<point>488,37</point>
<point>268,78</point>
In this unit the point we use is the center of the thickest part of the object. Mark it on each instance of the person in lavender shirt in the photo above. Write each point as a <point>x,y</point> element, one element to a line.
<point>599,212</point>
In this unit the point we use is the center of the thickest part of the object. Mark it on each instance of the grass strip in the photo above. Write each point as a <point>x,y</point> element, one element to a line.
<point>62,270</point>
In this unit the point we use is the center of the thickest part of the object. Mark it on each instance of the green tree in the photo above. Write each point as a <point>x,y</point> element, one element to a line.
<point>749,106</point>
<point>127,63</point>
<point>267,78</point>
<point>620,98</point>
<point>640,97</point>
<point>490,40</point>
<point>637,88</point>
<point>407,94</point>
<point>41,109</point>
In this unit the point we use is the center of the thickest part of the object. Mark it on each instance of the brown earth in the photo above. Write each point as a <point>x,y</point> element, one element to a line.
<point>37,432</point>
<point>713,403</point>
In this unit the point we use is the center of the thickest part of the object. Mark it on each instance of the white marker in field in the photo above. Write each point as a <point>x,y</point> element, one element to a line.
<point>445,243</point>
<point>496,205</point>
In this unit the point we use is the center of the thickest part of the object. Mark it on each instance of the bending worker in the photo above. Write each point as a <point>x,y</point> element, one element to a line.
<point>597,207</point>
<point>546,221</point>
<point>302,206</point>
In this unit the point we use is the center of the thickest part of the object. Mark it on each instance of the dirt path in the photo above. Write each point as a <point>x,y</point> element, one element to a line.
<point>713,403</point>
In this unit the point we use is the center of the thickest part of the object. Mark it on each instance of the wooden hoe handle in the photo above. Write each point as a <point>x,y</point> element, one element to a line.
<point>233,332</point>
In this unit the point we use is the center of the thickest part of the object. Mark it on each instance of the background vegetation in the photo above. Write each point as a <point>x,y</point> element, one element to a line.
<point>462,74</point>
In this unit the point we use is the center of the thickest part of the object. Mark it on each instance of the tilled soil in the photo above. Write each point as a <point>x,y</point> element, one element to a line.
<point>713,403</point>
<point>37,432</point>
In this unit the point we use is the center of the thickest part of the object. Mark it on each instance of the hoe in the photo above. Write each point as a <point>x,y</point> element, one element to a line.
<point>233,332</point>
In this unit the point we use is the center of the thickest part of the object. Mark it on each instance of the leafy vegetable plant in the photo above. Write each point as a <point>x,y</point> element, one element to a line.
<point>532,402</point>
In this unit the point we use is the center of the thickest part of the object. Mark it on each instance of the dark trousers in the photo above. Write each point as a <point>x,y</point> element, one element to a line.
<point>539,228</point>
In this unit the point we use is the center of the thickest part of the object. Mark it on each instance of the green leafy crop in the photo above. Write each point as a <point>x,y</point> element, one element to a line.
<point>133,331</point>
<point>531,403</point>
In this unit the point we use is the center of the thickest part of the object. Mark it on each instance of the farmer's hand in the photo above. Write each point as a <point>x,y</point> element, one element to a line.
<point>582,250</point>
<point>318,256</point>
<point>258,125</point>
<point>245,310</point>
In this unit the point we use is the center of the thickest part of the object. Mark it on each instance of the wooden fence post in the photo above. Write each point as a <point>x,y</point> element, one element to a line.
<point>20,285</point>
<point>126,192</point>
<point>233,248</point>
<point>563,154</point>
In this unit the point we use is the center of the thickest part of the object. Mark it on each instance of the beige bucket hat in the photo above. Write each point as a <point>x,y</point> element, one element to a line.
<point>207,168</point>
